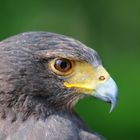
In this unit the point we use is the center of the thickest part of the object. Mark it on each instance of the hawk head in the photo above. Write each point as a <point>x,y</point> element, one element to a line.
<point>47,71</point>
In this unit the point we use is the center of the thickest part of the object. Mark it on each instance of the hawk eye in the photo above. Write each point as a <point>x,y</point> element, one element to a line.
<point>62,66</point>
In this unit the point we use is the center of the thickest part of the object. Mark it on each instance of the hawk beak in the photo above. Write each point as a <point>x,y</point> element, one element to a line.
<point>108,92</point>
<point>93,81</point>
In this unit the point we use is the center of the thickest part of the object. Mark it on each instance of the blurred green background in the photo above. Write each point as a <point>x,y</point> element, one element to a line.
<point>112,28</point>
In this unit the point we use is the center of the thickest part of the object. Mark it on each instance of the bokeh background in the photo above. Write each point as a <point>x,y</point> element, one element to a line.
<point>110,27</point>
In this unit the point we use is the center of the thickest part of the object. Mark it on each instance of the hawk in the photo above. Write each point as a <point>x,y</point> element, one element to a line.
<point>42,76</point>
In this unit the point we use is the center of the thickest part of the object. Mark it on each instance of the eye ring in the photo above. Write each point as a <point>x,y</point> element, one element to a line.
<point>62,66</point>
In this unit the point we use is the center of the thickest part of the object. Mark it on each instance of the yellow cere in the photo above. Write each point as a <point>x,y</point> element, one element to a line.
<point>101,72</point>
<point>85,77</point>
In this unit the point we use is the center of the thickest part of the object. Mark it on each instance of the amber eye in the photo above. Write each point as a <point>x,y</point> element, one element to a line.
<point>62,66</point>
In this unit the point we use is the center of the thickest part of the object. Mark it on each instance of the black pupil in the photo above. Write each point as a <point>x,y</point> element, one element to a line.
<point>62,65</point>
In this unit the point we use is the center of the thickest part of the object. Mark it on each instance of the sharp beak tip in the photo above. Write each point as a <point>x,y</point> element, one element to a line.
<point>108,93</point>
<point>113,103</point>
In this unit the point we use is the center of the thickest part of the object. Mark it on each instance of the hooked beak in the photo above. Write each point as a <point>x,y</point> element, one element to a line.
<point>108,92</point>
<point>93,81</point>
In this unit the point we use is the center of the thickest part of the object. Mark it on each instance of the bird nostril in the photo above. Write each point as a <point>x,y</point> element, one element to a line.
<point>101,78</point>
